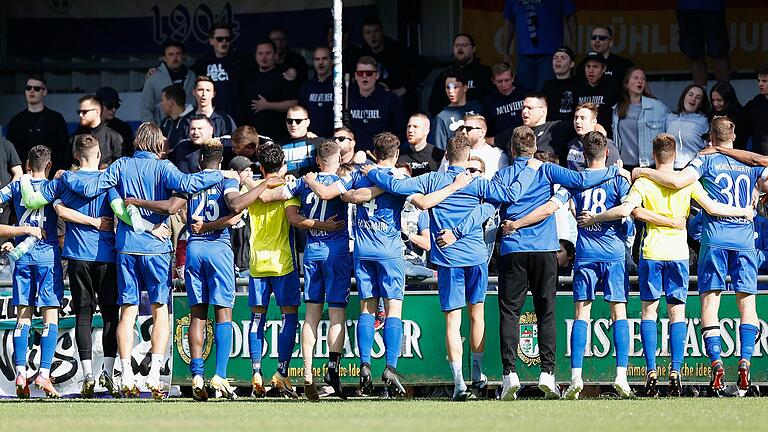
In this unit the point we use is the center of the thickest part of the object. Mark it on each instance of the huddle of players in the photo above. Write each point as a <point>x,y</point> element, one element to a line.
<point>87,199</point>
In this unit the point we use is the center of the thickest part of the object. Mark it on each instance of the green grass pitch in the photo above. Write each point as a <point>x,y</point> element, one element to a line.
<point>393,415</point>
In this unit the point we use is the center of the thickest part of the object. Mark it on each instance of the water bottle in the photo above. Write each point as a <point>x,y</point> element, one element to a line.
<point>136,219</point>
<point>22,248</point>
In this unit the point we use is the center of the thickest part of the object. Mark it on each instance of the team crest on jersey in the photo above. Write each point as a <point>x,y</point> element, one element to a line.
<point>182,341</point>
<point>528,346</point>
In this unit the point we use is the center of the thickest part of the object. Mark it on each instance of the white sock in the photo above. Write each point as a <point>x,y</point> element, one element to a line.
<point>45,373</point>
<point>127,371</point>
<point>256,366</point>
<point>109,365</point>
<point>458,376</point>
<point>87,367</point>
<point>477,365</point>
<point>621,373</point>
<point>156,365</point>
<point>21,370</point>
<point>576,373</point>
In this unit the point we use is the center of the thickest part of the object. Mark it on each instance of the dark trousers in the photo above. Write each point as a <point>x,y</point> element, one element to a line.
<point>518,273</point>
<point>94,283</point>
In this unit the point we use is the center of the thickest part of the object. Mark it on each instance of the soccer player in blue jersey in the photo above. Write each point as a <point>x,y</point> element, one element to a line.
<point>727,246</point>
<point>327,268</point>
<point>37,276</point>
<point>89,245</point>
<point>462,266</point>
<point>143,261</point>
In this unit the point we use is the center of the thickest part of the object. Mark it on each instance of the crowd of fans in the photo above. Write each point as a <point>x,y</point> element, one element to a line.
<point>247,99</point>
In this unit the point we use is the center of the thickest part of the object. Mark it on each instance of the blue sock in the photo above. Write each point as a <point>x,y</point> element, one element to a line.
<point>578,343</point>
<point>748,336</point>
<point>712,347</point>
<point>621,340</point>
<point>256,340</point>
<point>222,336</point>
<point>196,367</point>
<point>20,344</point>
<point>286,340</point>
<point>677,331</point>
<point>393,336</point>
<point>649,335</point>
<point>48,345</point>
<point>365,333</point>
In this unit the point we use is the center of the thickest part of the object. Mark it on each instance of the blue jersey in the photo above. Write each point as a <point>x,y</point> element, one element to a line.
<point>377,223</point>
<point>84,242</point>
<point>470,249</point>
<point>46,250</point>
<point>146,177</point>
<point>542,236</point>
<point>601,241</point>
<point>211,204</point>
<point>729,182</point>
<point>321,245</point>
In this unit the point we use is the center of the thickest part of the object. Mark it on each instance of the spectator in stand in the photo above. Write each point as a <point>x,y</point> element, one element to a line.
<point>537,27</point>
<point>559,91</point>
<point>478,75</point>
<point>349,51</point>
<point>450,118</point>
<point>227,68</point>
<point>504,105</point>
<point>598,89</point>
<point>10,170</point>
<point>173,103</point>
<point>702,23</point>
<point>350,158</point>
<point>725,103</point>
<point>171,71</point>
<point>756,113</point>
<point>494,158</point>
<point>245,142</point>
<point>110,142</point>
<point>316,95</point>
<point>372,108</point>
<point>585,121</point>
<point>38,124</point>
<point>421,156</point>
<point>689,123</point>
<point>300,151</point>
<point>186,154</point>
<point>637,118</point>
<point>616,66</point>
<point>205,92</point>
<point>269,93</point>
<point>110,101</point>
<point>292,64</point>
<point>400,70</point>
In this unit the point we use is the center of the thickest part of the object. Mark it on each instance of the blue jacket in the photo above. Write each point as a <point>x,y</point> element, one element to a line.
<point>652,121</point>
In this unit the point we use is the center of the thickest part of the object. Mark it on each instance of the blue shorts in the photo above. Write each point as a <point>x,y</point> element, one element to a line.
<point>609,277</point>
<point>286,289</point>
<point>458,285</point>
<point>38,285</point>
<point>328,280</point>
<point>209,273</point>
<point>384,278</point>
<point>715,263</point>
<point>663,277</point>
<point>150,273</point>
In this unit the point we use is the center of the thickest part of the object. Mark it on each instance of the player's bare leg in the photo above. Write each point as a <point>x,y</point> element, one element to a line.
<point>308,340</point>
<point>748,333</point>
<point>160,336</point>
<point>336,335</point>
<point>125,338</point>
<point>198,318</point>
<point>581,313</point>
<point>710,331</point>
<point>477,345</point>
<point>649,337</point>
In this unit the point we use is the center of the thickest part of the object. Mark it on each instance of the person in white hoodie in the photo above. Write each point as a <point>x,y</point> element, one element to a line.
<point>172,71</point>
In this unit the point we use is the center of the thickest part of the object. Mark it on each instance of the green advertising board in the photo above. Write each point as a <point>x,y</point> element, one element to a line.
<point>423,356</point>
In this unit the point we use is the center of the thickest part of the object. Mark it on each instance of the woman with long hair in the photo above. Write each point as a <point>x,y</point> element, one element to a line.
<point>689,123</point>
<point>726,103</point>
<point>637,119</point>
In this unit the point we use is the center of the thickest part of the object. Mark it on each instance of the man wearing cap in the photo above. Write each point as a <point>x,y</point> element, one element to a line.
<point>598,89</point>
<point>478,75</point>
<point>172,71</point>
<point>616,66</point>
<point>110,102</point>
<point>559,91</point>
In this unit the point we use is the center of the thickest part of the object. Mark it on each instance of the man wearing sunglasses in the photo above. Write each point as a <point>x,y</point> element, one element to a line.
<point>110,142</point>
<point>171,71</point>
<point>474,129</point>
<point>226,67</point>
<point>616,66</point>
<point>110,101</point>
<point>299,150</point>
<point>38,124</point>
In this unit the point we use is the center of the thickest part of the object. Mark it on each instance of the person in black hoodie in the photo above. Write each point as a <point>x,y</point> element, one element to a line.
<point>616,66</point>
<point>559,91</point>
<point>293,64</point>
<point>226,67</point>
<point>478,75</point>
<point>598,89</point>
<point>110,102</point>
<point>726,103</point>
<point>756,113</point>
